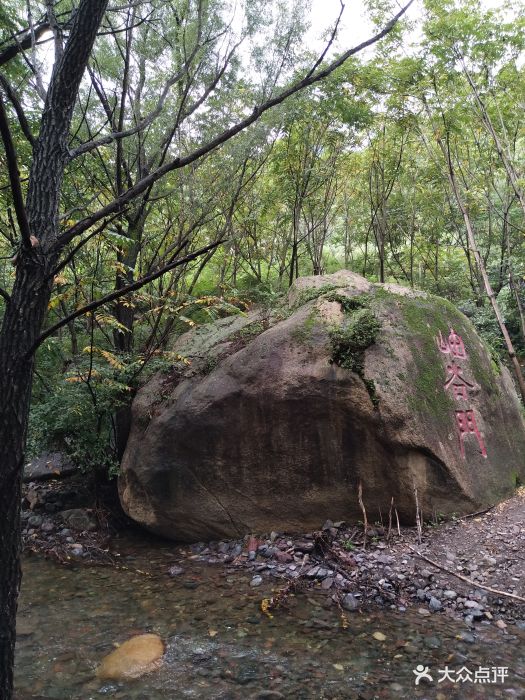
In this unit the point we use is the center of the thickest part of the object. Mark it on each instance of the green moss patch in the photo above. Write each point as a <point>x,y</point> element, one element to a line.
<point>311,293</point>
<point>421,319</point>
<point>351,339</point>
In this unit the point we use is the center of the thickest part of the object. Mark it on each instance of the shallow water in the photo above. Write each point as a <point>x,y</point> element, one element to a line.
<point>220,645</point>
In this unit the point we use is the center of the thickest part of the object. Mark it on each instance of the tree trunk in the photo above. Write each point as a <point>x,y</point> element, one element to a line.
<point>481,266</point>
<point>26,309</point>
<point>22,321</point>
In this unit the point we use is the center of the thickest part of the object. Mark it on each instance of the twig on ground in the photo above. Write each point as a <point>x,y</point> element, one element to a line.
<point>397,520</point>
<point>479,512</point>
<point>464,578</point>
<point>418,517</point>
<point>362,505</point>
<point>390,520</point>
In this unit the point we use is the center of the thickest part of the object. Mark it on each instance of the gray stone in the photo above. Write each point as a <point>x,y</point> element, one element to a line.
<point>434,604</point>
<point>385,559</point>
<point>35,521</point>
<point>256,581</point>
<point>305,546</point>
<point>79,519</point>
<point>467,637</point>
<point>349,602</point>
<point>450,595</point>
<point>51,465</point>
<point>76,550</point>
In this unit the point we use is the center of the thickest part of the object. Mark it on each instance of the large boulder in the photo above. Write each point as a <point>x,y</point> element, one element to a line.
<point>280,418</point>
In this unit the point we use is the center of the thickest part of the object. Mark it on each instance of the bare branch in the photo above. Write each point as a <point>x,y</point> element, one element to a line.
<point>225,136</point>
<point>5,295</point>
<point>14,177</point>
<point>143,124</point>
<point>329,43</point>
<point>24,43</point>
<point>17,105</point>
<point>39,85</point>
<point>97,303</point>
<point>80,245</point>
<point>56,29</point>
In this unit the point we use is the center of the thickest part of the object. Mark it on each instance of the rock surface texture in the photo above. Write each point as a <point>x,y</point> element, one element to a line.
<point>280,417</point>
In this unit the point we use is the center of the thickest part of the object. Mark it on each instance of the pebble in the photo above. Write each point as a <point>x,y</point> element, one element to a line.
<point>385,559</point>
<point>77,550</point>
<point>450,595</point>
<point>256,581</point>
<point>466,637</point>
<point>350,603</point>
<point>472,604</point>
<point>35,521</point>
<point>434,604</point>
<point>305,547</point>
<point>191,585</point>
<point>424,612</point>
<point>175,570</point>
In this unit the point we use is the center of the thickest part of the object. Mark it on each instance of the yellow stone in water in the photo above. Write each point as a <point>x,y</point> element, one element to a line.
<point>136,657</point>
<point>379,636</point>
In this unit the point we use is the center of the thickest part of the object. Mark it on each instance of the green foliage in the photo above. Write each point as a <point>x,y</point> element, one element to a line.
<point>349,340</point>
<point>74,410</point>
<point>311,293</point>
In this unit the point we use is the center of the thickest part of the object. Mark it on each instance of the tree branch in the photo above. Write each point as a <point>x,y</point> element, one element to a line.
<point>225,136</point>
<point>143,124</point>
<point>14,177</point>
<point>5,295</point>
<point>17,105</point>
<point>97,303</point>
<point>22,44</point>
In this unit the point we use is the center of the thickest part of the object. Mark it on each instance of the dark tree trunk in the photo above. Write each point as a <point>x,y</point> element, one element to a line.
<point>22,322</point>
<point>25,312</point>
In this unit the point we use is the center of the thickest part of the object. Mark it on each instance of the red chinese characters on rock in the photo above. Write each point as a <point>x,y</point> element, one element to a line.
<point>453,345</point>
<point>465,418</point>
<point>466,422</point>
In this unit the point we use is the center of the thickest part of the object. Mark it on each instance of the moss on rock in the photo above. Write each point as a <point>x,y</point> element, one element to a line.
<point>351,339</point>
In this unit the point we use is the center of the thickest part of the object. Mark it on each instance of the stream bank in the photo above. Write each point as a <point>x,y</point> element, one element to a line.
<point>310,616</point>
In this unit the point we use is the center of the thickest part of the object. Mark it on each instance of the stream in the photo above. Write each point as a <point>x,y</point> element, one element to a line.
<point>220,645</point>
